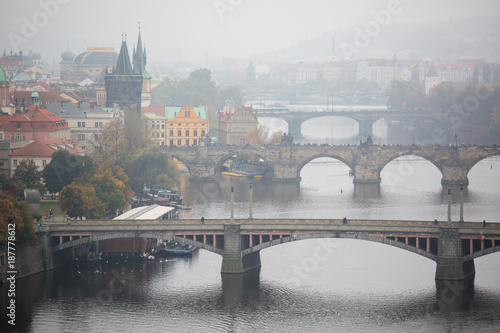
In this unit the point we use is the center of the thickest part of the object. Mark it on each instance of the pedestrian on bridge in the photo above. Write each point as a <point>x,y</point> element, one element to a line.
<point>202,220</point>
<point>344,220</point>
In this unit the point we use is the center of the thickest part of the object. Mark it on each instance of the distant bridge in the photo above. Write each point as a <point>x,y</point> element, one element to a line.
<point>297,94</point>
<point>453,246</point>
<point>205,162</point>
<point>365,118</point>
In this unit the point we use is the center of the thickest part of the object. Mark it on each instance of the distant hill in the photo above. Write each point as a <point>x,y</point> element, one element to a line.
<point>464,38</point>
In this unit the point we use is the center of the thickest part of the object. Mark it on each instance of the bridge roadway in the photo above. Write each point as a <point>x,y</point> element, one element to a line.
<point>285,162</point>
<point>453,246</point>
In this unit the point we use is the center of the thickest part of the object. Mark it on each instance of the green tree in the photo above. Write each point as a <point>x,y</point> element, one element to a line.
<point>27,172</point>
<point>405,96</point>
<point>151,166</point>
<point>112,187</point>
<point>64,168</point>
<point>74,201</point>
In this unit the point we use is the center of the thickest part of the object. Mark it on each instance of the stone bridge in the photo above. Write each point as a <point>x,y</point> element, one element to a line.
<point>452,245</point>
<point>365,118</point>
<point>286,162</point>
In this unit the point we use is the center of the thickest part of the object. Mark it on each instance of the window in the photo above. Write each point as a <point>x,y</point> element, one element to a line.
<point>194,142</point>
<point>12,136</point>
<point>44,163</point>
<point>162,126</point>
<point>24,136</point>
<point>81,124</point>
<point>187,132</point>
<point>1,135</point>
<point>179,133</point>
<point>171,132</point>
<point>15,162</point>
<point>162,134</point>
<point>18,136</point>
<point>179,142</point>
<point>81,137</point>
<point>187,142</point>
<point>195,133</point>
<point>96,124</point>
<point>171,142</point>
<point>153,126</point>
<point>203,133</point>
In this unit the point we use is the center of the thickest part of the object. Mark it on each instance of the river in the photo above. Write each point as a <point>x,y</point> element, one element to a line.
<point>354,286</point>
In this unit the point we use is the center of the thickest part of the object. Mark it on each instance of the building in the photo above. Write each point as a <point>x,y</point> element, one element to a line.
<point>432,79</point>
<point>124,83</point>
<point>88,64</point>
<point>139,59</point>
<point>235,123</point>
<point>85,121</point>
<point>186,126</point>
<point>23,98</point>
<point>40,151</point>
<point>33,123</point>
<point>4,88</point>
<point>155,122</point>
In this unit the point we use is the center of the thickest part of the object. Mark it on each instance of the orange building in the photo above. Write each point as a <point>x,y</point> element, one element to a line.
<point>186,126</point>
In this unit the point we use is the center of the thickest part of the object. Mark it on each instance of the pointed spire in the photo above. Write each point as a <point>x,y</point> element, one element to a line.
<point>123,66</point>
<point>140,58</point>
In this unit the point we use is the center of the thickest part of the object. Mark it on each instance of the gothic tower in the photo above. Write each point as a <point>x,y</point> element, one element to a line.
<point>139,60</point>
<point>123,84</point>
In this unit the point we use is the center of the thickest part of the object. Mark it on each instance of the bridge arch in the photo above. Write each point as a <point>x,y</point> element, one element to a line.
<point>303,163</point>
<point>411,153</point>
<point>231,154</point>
<point>481,253</point>
<point>180,159</point>
<point>476,161</point>
<point>115,235</point>
<point>370,238</point>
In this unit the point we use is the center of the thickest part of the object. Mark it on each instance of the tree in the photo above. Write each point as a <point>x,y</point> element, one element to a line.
<point>19,214</point>
<point>27,172</point>
<point>74,201</point>
<point>64,168</point>
<point>405,96</point>
<point>151,166</point>
<point>263,136</point>
<point>442,96</point>
<point>112,187</point>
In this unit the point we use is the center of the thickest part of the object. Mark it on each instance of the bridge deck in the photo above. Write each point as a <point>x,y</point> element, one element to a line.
<point>269,225</point>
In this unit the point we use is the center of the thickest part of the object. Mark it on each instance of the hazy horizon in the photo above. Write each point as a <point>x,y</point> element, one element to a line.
<point>189,31</point>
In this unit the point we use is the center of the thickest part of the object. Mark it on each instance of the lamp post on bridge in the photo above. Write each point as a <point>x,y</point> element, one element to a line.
<point>232,203</point>
<point>250,203</point>
<point>449,207</point>
<point>461,202</point>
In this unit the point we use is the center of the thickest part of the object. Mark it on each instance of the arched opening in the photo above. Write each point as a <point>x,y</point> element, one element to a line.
<point>325,182</point>
<point>274,124</point>
<point>344,264</point>
<point>330,130</point>
<point>483,195</point>
<point>411,186</point>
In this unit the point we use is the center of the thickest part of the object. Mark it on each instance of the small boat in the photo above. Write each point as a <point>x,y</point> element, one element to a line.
<point>233,174</point>
<point>176,249</point>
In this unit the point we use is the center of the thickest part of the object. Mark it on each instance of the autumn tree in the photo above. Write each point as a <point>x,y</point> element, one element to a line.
<point>64,168</point>
<point>149,167</point>
<point>74,201</point>
<point>112,187</point>
<point>263,136</point>
<point>19,214</point>
<point>406,96</point>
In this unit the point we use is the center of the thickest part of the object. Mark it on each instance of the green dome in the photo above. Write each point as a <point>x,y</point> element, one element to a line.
<point>3,76</point>
<point>34,94</point>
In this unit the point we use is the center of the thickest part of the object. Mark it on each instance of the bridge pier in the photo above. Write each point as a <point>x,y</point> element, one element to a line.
<point>233,262</point>
<point>454,176</point>
<point>366,174</point>
<point>450,265</point>
<point>286,172</point>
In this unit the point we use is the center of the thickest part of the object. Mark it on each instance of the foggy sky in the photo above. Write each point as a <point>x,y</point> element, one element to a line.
<point>193,28</point>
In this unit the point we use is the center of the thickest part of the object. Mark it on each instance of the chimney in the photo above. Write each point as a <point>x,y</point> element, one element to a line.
<point>78,105</point>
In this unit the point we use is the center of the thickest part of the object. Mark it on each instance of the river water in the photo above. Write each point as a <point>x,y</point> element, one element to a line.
<point>313,285</point>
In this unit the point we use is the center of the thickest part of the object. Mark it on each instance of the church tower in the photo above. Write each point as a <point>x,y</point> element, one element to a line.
<point>124,83</point>
<point>4,88</point>
<point>139,60</point>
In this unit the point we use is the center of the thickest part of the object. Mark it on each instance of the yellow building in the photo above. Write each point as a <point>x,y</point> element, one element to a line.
<point>186,126</point>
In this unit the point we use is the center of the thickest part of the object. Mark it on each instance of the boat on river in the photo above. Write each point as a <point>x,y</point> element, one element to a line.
<point>176,249</point>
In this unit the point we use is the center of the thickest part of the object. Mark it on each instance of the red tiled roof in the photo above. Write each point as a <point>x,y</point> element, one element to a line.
<point>159,110</point>
<point>47,147</point>
<point>44,97</point>
<point>34,118</point>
